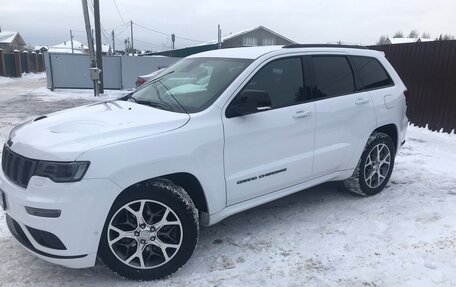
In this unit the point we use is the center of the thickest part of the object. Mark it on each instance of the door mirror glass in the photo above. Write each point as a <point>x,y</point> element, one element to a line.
<point>249,102</point>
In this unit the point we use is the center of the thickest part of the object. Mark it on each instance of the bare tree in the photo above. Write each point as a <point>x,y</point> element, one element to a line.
<point>413,34</point>
<point>444,37</point>
<point>382,40</point>
<point>426,35</point>
<point>398,34</point>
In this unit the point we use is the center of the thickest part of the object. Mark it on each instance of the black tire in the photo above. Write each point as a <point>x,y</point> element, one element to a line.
<point>173,197</point>
<point>357,183</point>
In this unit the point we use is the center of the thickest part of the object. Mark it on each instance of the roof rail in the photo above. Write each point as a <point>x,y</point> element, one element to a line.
<point>324,46</point>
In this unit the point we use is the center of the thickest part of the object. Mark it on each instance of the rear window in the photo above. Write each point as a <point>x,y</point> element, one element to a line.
<point>333,76</point>
<point>371,73</point>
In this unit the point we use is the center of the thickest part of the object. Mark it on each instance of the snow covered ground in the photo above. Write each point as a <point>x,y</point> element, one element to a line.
<point>405,236</point>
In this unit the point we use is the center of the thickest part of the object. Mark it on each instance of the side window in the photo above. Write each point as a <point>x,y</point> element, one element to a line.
<point>371,73</point>
<point>333,76</point>
<point>282,80</point>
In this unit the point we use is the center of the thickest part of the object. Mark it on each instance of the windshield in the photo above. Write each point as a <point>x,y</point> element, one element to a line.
<point>191,85</point>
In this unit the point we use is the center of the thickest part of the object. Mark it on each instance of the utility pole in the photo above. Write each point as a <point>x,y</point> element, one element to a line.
<point>219,38</point>
<point>173,39</point>
<point>113,42</point>
<point>131,36</point>
<point>85,10</point>
<point>96,15</point>
<point>71,39</point>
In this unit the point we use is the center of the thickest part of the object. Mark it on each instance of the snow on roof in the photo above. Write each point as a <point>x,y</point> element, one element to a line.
<point>245,32</point>
<point>8,37</point>
<point>402,40</point>
<point>64,50</point>
<point>426,40</point>
<point>67,45</point>
<point>39,47</point>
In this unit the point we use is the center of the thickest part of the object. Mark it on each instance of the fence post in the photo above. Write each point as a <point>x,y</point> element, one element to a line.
<point>17,64</point>
<point>33,62</point>
<point>26,58</point>
<point>2,64</point>
<point>40,62</point>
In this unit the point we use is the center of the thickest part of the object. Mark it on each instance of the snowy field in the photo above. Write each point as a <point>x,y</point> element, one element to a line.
<point>405,236</point>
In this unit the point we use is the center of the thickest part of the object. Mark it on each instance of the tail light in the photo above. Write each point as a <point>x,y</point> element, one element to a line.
<point>139,82</point>
<point>407,96</point>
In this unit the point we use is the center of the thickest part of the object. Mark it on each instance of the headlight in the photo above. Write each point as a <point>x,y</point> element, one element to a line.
<point>62,171</point>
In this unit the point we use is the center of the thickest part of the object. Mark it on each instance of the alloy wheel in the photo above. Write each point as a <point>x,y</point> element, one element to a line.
<point>377,165</point>
<point>145,234</point>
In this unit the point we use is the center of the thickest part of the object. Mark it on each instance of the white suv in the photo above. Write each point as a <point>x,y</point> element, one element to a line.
<point>130,180</point>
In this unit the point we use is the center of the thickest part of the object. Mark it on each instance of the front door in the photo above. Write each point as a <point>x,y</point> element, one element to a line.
<point>271,149</point>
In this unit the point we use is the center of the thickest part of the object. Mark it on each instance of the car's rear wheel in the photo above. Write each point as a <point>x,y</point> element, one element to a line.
<point>375,166</point>
<point>150,232</point>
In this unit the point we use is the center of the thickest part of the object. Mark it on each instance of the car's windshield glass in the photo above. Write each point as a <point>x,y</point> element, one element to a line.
<point>191,85</point>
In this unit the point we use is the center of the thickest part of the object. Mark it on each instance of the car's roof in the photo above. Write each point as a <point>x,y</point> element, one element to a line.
<point>255,52</point>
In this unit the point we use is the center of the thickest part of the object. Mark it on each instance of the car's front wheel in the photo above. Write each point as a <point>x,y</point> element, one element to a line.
<point>150,231</point>
<point>375,166</point>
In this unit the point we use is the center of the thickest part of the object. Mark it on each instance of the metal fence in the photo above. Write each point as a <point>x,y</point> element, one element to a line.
<point>71,71</point>
<point>16,63</point>
<point>428,69</point>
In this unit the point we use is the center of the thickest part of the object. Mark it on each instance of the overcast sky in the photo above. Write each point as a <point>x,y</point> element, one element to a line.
<point>47,22</point>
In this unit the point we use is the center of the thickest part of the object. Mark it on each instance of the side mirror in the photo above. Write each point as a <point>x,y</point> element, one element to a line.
<point>249,102</point>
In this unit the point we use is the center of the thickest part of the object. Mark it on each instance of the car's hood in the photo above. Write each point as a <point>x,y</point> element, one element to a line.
<point>64,135</point>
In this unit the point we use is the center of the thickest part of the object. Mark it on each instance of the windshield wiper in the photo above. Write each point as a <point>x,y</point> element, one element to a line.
<point>129,97</point>
<point>156,105</point>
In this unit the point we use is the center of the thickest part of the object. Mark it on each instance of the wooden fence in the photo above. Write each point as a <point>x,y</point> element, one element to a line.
<point>428,69</point>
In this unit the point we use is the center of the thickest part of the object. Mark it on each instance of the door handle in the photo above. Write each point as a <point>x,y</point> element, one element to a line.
<point>360,101</point>
<point>302,114</point>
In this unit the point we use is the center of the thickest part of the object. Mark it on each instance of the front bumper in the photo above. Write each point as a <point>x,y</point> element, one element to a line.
<point>84,207</point>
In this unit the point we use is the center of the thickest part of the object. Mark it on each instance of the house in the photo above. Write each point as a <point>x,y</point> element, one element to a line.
<point>40,49</point>
<point>65,47</point>
<point>105,49</point>
<point>258,36</point>
<point>10,41</point>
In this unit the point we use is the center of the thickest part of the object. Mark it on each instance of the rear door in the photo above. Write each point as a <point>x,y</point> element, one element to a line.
<point>271,149</point>
<point>345,115</point>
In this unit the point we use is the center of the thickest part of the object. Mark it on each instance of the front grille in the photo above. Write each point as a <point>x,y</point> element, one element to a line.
<point>17,168</point>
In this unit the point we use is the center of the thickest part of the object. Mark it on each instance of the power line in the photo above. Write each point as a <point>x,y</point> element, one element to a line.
<point>149,43</point>
<point>118,26</point>
<point>182,38</point>
<point>118,11</point>
<point>123,30</point>
<point>105,34</point>
<point>144,27</point>
<point>167,34</point>
<point>78,31</point>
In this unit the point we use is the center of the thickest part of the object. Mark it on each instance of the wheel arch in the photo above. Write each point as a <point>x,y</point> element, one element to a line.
<point>390,130</point>
<point>185,180</point>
